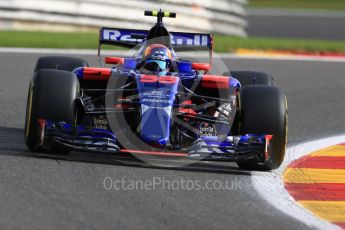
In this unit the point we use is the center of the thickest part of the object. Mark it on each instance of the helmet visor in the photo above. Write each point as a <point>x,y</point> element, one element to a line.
<point>162,64</point>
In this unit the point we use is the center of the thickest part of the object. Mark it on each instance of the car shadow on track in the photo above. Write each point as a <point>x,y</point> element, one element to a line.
<point>12,144</point>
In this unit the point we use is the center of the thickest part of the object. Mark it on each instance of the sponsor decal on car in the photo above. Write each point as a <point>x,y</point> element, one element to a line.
<point>177,38</point>
<point>100,122</point>
<point>207,129</point>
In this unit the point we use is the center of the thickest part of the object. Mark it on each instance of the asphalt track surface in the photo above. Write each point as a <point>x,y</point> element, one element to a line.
<point>296,24</point>
<point>47,193</point>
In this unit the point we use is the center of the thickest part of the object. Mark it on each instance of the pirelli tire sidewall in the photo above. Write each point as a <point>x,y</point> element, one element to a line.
<point>31,121</point>
<point>263,110</point>
<point>52,96</point>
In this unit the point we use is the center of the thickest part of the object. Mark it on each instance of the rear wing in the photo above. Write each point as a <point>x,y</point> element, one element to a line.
<point>130,38</point>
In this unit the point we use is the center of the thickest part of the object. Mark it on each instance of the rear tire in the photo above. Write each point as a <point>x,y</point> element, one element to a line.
<point>60,63</point>
<point>52,95</point>
<point>251,78</point>
<point>263,110</point>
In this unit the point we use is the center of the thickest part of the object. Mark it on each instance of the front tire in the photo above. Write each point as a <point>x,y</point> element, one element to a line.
<point>52,95</point>
<point>263,110</point>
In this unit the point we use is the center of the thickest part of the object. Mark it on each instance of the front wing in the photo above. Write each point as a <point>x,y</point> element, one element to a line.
<point>209,148</point>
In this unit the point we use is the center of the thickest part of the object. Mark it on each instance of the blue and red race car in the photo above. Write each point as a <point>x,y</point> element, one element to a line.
<point>155,103</point>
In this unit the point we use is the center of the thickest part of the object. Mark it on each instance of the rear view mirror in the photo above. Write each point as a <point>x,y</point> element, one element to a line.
<point>201,66</point>
<point>114,60</point>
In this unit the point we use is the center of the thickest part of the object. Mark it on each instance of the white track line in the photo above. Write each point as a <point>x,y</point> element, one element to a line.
<point>270,185</point>
<point>278,12</point>
<point>285,58</point>
<point>54,51</point>
<point>194,54</point>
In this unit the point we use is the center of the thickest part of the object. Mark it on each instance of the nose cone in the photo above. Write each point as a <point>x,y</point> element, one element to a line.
<point>156,124</point>
<point>157,96</point>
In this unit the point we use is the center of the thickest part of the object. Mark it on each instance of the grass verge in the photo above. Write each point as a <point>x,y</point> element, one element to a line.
<point>222,43</point>
<point>226,43</point>
<point>300,4</point>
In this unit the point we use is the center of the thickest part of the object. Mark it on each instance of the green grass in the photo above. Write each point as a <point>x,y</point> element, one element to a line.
<point>302,4</point>
<point>48,40</point>
<point>222,43</point>
<point>225,43</point>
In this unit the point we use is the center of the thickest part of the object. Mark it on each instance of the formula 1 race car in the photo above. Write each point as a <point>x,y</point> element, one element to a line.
<point>155,103</point>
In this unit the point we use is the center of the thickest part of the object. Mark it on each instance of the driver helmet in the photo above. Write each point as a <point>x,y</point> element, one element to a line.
<point>157,58</point>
